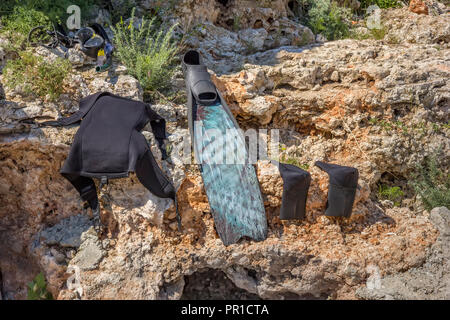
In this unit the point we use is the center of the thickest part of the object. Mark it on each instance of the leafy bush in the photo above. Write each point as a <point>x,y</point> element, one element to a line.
<point>37,289</point>
<point>383,4</point>
<point>146,51</point>
<point>394,194</point>
<point>294,161</point>
<point>18,23</point>
<point>53,10</point>
<point>36,75</point>
<point>432,184</point>
<point>18,17</point>
<point>327,18</point>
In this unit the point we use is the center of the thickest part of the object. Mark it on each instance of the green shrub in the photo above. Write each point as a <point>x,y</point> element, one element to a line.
<point>329,19</point>
<point>18,17</point>
<point>146,51</point>
<point>37,289</point>
<point>53,10</point>
<point>236,23</point>
<point>394,194</point>
<point>22,20</point>
<point>36,75</point>
<point>294,161</point>
<point>432,184</point>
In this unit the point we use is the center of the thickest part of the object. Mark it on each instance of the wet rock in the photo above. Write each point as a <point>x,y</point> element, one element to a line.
<point>428,281</point>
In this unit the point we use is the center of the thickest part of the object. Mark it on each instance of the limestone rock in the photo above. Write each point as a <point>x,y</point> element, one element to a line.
<point>328,89</point>
<point>75,57</point>
<point>253,38</point>
<point>404,26</point>
<point>428,281</point>
<point>98,15</point>
<point>90,252</point>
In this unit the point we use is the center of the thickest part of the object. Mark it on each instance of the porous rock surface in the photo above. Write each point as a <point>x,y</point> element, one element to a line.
<point>429,281</point>
<point>227,32</point>
<point>330,101</point>
<point>335,98</point>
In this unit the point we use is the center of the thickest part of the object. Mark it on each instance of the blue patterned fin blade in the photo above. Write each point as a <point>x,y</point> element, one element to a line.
<point>232,187</point>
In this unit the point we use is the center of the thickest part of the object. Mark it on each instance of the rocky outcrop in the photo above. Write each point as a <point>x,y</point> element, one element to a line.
<point>141,258</point>
<point>429,281</point>
<point>404,26</point>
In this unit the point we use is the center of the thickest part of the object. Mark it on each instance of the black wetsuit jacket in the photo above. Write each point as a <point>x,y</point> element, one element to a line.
<point>109,144</point>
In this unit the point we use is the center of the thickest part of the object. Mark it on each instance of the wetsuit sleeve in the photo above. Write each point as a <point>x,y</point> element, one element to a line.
<point>152,177</point>
<point>158,125</point>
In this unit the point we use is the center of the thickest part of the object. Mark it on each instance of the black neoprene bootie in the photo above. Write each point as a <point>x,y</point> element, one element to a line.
<point>342,188</point>
<point>296,183</point>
